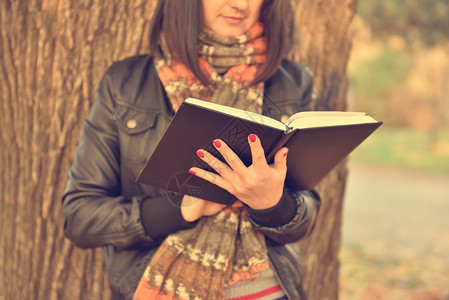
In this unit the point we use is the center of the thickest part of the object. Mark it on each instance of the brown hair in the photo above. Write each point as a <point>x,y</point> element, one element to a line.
<point>181,21</point>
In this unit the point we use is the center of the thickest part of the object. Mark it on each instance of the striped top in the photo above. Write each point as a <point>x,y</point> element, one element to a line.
<point>266,287</point>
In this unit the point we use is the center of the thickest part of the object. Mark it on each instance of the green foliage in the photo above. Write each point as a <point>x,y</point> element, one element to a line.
<point>375,77</point>
<point>426,21</point>
<point>381,73</point>
<point>405,147</point>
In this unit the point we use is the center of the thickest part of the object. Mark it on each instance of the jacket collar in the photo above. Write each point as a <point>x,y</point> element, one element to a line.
<point>282,93</point>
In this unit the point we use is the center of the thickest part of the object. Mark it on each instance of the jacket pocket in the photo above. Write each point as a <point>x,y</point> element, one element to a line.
<point>138,133</point>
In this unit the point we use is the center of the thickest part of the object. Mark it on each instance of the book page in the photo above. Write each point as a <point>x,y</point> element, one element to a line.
<point>311,119</point>
<point>239,113</point>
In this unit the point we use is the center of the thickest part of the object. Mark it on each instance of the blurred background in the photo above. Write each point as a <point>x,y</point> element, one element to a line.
<point>396,211</point>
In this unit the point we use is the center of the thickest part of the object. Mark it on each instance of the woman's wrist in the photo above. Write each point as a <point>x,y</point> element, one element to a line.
<point>278,215</point>
<point>188,211</point>
<point>265,204</point>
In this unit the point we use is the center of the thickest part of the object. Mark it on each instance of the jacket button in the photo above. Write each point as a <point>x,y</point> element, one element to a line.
<point>131,124</point>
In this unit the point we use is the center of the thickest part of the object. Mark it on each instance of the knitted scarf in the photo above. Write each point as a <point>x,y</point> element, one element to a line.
<point>220,250</point>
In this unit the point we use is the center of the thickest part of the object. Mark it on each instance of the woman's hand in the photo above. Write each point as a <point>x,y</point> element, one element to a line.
<point>193,208</point>
<point>260,185</point>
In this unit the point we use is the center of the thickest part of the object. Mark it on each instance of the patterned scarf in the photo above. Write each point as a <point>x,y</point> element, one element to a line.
<point>220,250</point>
<point>238,58</point>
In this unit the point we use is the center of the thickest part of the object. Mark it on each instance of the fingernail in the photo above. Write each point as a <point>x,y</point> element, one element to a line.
<point>200,153</point>
<point>286,152</point>
<point>217,143</point>
<point>192,172</point>
<point>252,137</point>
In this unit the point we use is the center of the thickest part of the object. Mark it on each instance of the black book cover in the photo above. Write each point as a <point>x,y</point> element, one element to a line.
<point>313,152</point>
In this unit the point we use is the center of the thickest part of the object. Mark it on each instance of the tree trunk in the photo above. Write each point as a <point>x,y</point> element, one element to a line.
<point>323,42</point>
<point>53,54</point>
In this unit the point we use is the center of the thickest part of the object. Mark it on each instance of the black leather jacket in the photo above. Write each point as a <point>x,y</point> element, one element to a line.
<point>102,204</point>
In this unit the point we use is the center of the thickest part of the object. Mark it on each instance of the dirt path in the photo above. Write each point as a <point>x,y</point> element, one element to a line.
<point>395,225</point>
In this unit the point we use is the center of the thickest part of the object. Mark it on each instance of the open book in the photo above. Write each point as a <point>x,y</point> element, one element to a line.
<point>317,142</point>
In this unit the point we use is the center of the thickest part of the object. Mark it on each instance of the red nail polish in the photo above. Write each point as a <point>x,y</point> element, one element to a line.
<point>217,143</point>
<point>200,154</point>
<point>192,172</point>
<point>286,152</point>
<point>252,137</point>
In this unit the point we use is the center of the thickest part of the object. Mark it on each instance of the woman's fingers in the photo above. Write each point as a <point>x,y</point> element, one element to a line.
<point>227,173</point>
<point>211,177</point>
<point>280,161</point>
<point>234,164</point>
<point>230,157</point>
<point>257,152</point>
<point>213,162</point>
<point>233,161</point>
<point>222,169</point>
<point>259,185</point>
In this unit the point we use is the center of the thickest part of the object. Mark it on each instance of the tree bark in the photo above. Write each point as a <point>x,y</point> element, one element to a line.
<point>53,55</point>
<point>323,43</point>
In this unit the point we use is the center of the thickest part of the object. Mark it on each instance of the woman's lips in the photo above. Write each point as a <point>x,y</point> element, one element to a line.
<point>233,20</point>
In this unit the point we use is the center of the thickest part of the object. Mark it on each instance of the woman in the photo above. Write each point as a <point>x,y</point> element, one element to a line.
<point>225,51</point>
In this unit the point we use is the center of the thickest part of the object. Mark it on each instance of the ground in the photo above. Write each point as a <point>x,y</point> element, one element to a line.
<point>395,235</point>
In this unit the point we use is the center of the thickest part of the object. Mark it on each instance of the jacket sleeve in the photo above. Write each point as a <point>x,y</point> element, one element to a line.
<point>95,211</point>
<point>291,219</point>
